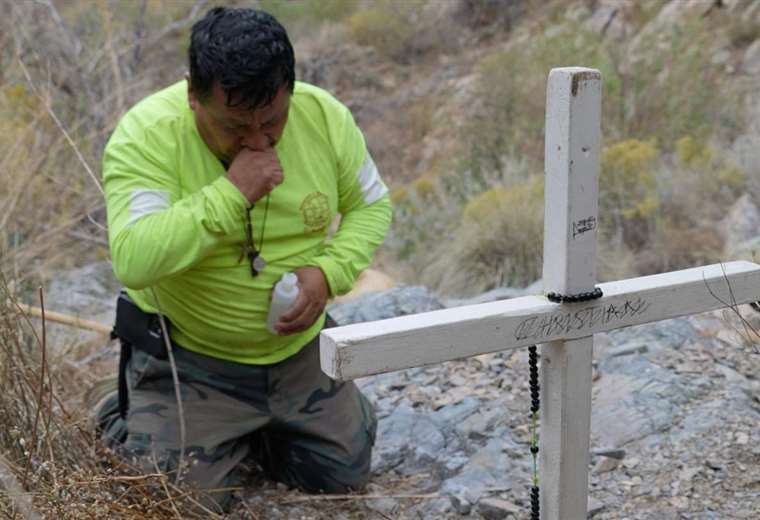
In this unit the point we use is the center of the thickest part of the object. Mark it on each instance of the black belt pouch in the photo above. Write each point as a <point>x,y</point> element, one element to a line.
<point>139,330</point>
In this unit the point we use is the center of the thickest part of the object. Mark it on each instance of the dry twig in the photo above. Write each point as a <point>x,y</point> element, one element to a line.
<point>749,331</point>
<point>177,390</point>
<point>65,319</point>
<point>320,498</point>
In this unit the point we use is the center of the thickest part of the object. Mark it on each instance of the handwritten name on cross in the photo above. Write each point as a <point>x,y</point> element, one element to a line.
<point>565,330</point>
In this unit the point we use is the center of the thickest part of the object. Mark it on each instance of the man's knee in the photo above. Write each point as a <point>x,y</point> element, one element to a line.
<point>316,473</point>
<point>316,467</point>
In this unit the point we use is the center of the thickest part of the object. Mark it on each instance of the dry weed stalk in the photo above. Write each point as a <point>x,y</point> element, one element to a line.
<point>51,463</point>
<point>177,389</point>
<point>748,332</point>
<point>63,86</point>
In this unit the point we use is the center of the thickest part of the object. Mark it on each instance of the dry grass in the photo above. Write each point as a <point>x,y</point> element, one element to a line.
<point>51,464</point>
<point>68,73</point>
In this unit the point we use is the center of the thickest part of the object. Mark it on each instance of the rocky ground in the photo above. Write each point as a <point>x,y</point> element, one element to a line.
<point>674,429</point>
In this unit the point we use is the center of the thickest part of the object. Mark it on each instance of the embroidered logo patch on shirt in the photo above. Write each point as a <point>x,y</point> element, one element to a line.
<point>315,209</point>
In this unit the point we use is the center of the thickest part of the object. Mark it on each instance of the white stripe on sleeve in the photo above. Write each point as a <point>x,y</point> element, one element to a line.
<point>145,202</point>
<point>373,187</point>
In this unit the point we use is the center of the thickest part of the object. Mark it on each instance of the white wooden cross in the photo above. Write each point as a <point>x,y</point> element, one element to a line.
<point>565,330</point>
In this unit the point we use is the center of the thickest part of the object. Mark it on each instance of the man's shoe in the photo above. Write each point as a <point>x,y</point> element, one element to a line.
<point>103,402</point>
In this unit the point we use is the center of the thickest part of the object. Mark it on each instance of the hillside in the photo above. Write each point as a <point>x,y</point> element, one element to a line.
<point>455,120</point>
<point>450,95</point>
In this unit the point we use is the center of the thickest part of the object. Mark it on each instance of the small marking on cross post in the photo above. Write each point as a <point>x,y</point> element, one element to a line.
<point>583,225</point>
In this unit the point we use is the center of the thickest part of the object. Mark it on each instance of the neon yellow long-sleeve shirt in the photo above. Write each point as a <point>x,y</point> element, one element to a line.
<point>176,224</point>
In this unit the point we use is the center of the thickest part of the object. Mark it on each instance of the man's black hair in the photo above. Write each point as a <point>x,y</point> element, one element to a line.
<point>246,50</point>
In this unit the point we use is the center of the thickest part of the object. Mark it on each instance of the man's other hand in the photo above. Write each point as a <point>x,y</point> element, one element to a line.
<point>255,172</point>
<point>312,298</point>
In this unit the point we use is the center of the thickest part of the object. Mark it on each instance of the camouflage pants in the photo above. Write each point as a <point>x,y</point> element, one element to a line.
<point>303,428</point>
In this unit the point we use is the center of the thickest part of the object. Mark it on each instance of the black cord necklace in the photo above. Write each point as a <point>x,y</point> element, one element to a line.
<point>249,248</point>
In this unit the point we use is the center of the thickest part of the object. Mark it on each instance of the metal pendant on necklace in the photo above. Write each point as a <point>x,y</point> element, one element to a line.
<point>258,263</point>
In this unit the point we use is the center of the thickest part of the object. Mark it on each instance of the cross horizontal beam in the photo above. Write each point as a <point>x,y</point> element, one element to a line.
<point>363,349</point>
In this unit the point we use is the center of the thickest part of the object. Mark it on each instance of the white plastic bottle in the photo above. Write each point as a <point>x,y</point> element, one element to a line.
<point>285,293</point>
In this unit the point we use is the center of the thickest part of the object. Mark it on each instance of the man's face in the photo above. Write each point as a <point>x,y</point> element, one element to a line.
<point>226,130</point>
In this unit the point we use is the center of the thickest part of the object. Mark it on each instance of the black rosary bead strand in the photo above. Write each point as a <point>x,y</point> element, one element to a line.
<point>535,402</point>
<point>575,298</point>
<point>535,395</point>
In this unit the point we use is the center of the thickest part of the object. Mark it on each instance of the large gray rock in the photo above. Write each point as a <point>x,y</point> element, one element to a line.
<point>636,397</point>
<point>747,250</point>
<point>490,467</point>
<point>407,441</point>
<point>500,293</point>
<point>667,334</point>
<point>751,60</point>
<point>496,509</point>
<point>740,228</point>
<point>398,301</point>
<point>88,293</point>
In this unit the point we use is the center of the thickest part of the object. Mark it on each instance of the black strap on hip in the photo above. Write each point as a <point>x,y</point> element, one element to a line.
<point>136,329</point>
<point>124,357</point>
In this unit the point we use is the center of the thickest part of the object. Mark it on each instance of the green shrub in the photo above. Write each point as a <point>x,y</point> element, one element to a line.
<point>497,243</point>
<point>732,178</point>
<point>628,195</point>
<point>679,241</point>
<point>421,212</point>
<point>383,27</point>
<point>425,187</point>
<point>692,154</point>
<point>659,215</point>
<point>509,113</point>
<point>700,169</point>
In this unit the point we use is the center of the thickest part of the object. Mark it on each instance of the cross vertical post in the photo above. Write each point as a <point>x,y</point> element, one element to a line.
<point>573,139</point>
